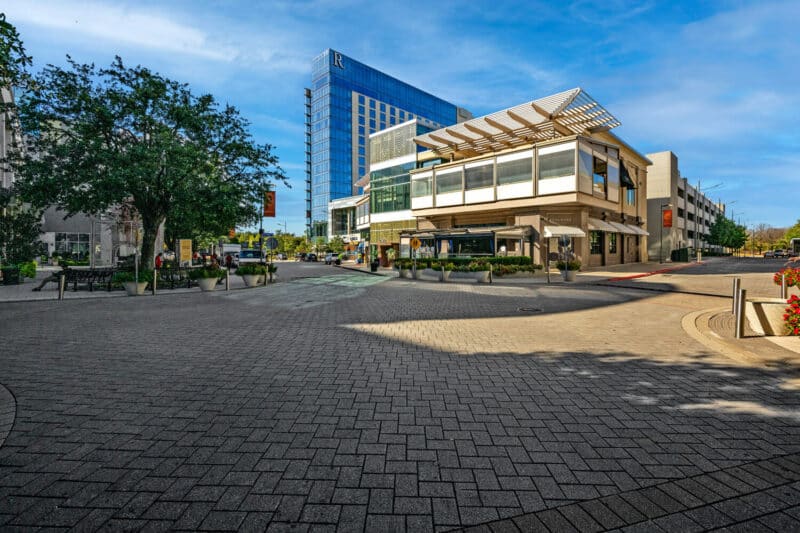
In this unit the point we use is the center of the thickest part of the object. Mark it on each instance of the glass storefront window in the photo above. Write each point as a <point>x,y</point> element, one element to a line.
<point>479,177</point>
<point>612,243</point>
<point>595,242</point>
<point>557,164</point>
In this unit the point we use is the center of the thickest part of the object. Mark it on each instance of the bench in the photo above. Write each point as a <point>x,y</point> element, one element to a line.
<point>89,277</point>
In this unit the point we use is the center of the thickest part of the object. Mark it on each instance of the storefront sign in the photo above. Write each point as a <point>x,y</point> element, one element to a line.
<point>184,250</point>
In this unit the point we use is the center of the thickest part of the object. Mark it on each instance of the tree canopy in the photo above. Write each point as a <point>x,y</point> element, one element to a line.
<point>14,62</point>
<point>725,232</point>
<point>19,230</point>
<point>126,136</point>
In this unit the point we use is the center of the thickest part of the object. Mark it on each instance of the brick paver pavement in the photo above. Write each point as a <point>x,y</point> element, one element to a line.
<point>354,403</point>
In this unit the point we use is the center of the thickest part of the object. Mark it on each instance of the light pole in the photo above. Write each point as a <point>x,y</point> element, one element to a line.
<point>661,239</point>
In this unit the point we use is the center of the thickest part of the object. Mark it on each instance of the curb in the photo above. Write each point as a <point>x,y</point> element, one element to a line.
<point>695,325</point>
<point>654,272</point>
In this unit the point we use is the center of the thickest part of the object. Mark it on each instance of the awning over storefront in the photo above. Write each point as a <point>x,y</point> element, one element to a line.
<point>628,229</point>
<point>637,230</point>
<point>563,231</point>
<point>600,225</point>
<point>513,232</point>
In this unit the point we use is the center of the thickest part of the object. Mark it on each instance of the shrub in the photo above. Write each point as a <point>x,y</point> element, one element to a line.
<point>568,265</point>
<point>792,276</point>
<point>28,269</point>
<point>792,316</point>
<point>208,272</point>
<point>251,270</point>
<point>126,276</point>
<point>272,268</point>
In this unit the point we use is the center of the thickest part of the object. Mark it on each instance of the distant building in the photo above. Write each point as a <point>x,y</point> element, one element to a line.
<point>690,212</point>
<point>347,102</point>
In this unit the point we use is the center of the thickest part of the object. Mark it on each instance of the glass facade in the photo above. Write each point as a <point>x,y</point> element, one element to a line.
<point>348,101</point>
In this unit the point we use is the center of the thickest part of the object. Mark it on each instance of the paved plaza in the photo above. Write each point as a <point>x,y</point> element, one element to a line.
<point>342,401</point>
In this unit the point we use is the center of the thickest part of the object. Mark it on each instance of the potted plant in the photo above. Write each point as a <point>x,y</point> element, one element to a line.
<point>446,270</point>
<point>404,267</point>
<point>134,286</point>
<point>568,268</point>
<point>207,277</point>
<point>482,271</point>
<point>252,274</point>
<point>391,254</point>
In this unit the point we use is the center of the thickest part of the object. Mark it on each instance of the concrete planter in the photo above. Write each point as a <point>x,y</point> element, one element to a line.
<point>207,284</point>
<point>252,280</point>
<point>405,273</point>
<point>482,276</point>
<point>765,315</point>
<point>135,289</point>
<point>569,275</point>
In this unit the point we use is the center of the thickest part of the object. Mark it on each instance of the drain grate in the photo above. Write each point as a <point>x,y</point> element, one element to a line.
<point>531,310</point>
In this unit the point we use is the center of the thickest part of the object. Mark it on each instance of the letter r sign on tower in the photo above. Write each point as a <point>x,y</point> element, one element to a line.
<point>337,60</point>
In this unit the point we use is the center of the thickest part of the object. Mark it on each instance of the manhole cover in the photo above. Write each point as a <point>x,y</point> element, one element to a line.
<point>531,310</point>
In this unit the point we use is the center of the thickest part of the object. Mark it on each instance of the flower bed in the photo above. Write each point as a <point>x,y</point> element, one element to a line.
<point>792,277</point>
<point>792,316</point>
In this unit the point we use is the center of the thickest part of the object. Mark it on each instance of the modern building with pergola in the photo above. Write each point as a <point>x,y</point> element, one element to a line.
<point>539,177</point>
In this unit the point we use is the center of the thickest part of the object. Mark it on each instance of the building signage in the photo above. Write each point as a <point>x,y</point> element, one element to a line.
<point>666,218</point>
<point>337,60</point>
<point>269,204</point>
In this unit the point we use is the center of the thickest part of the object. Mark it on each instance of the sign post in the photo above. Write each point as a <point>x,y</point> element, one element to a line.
<point>415,244</point>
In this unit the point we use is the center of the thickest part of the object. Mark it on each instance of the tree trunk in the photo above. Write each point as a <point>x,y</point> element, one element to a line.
<point>150,225</point>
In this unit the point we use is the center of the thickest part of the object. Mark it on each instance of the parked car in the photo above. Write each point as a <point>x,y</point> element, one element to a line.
<point>332,259</point>
<point>300,256</point>
<point>281,256</point>
<point>311,258</point>
<point>249,256</point>
<point>782,253</point>
<point>769,254</point>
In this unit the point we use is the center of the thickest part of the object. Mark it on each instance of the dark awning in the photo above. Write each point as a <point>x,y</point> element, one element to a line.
<point>625,177</point>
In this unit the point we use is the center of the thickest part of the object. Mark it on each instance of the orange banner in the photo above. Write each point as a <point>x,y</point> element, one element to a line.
<point>269,204</point>
<point>666,218</point>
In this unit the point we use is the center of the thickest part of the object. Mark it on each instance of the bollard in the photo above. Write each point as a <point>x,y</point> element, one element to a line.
<point>783,286</point>
<point>62,279</point>
<point>227,279</point>
<point>740,306</point>
<point>736,286</point>
<point>699,256</point>
<point>155,281</point>
<point>491,275</point>
<point>441,278</point>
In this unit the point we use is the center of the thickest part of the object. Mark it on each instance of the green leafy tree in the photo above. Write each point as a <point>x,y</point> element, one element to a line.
<point>792,232</point>
<point>14,62</point>
<point>725,232</point>
<point>336,244</point>
<point>19,230</point>
<point>122,136</point>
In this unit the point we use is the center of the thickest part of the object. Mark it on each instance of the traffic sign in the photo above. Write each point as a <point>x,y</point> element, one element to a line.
<point>271,243</point>
<point>415,243</point>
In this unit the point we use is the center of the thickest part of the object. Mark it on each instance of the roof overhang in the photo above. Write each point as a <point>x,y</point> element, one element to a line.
<point>600,225</point>
<point>568,113</point>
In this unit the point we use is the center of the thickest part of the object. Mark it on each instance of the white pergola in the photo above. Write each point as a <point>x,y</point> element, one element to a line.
<point>571,112</point>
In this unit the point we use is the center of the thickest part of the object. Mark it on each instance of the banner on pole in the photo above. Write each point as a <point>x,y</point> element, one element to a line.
<point>666,218</point>
<point>269,204</point>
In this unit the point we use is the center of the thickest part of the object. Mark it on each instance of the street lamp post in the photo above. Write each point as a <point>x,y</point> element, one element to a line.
<point>661,239</point>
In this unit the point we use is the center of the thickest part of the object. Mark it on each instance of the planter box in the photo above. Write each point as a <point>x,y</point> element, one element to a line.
<point>135,289</point>
<point>207,284</point>
<point>765,315</point>
<point>405,273</point>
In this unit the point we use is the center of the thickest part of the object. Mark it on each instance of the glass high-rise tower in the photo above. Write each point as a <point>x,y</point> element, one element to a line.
<point>346,102</point>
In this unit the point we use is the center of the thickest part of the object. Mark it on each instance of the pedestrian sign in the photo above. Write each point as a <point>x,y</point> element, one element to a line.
<point>415,243</point>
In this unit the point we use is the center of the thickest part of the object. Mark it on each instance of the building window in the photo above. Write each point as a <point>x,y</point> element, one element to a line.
<point>557,164</point>
<point>690,233</point>
<point>612,243</point>
<point>630,196</point>
<point>595,242</point>
<point>448,182</point>
<point>691,199</point>
<point>680,212</point>
<point>514,171</point>
<point>690,216</point>
<point>421,187</point>
<point>479,177</point>
<point>74,244</point>
<point>680,193</point>
<point>599,177</point>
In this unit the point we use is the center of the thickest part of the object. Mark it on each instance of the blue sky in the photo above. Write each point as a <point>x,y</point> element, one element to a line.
<point>715,82</point>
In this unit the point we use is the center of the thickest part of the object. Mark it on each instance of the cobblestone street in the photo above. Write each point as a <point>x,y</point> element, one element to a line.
<point>354,402</point>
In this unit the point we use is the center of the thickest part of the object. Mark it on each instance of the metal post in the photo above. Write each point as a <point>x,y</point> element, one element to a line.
<point>490,273</point>
<point>739,316</point>
<point>737,283</point>
<point>699,256</point>
<point>155,281</point>
<point>227,279</point>
<point>62,280</point>
<point>783,285</point>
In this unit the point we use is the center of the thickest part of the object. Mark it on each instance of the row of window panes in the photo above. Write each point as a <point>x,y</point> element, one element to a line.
<point>596,242</point>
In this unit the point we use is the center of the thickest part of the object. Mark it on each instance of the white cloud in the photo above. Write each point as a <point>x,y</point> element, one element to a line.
<point>120,25</point>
